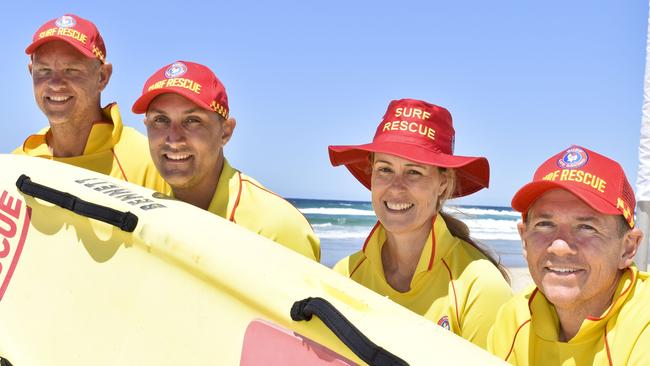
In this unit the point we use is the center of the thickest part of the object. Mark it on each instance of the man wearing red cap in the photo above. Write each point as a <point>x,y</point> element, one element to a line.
<point>590,302</point>
<point>188,125</point>
<point>69,71</point>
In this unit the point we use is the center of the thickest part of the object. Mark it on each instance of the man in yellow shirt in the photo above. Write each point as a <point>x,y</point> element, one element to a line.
<point>69,71</point>
<point>188,124</point>
<point>590,303</point>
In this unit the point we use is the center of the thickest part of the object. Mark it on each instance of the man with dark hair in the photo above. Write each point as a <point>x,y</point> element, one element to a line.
<point>188,125</point>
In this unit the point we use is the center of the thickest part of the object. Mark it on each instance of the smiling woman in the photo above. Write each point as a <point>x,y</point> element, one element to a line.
<point>416,255</point>
<point>405,197</point>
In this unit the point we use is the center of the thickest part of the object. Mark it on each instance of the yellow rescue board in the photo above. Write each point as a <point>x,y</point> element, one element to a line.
<point>179,287</point>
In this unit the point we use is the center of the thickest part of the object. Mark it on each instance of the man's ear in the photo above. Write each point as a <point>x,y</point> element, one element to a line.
<point>521,228</point>
<point>631,241</point>
<point>228,129</point>
<point>105,72</point>
<point>30,66</point>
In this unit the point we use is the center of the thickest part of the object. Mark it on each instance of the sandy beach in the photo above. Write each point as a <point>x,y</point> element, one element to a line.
<point>519,278</point>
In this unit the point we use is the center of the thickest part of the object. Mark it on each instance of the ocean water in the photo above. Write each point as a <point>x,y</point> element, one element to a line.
<point>344,225</point>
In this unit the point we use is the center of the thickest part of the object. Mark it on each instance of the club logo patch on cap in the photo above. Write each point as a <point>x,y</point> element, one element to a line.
<point>574,158</point>
<point>66,21</point>
<point>444,322</point>
<point>175,70</point>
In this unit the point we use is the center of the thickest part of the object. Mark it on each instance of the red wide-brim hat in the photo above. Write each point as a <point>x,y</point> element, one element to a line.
<point>421,132</point>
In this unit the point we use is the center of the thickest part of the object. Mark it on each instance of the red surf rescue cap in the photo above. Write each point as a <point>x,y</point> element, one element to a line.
<point>80,33</point>
<point>191,80</point>
<point>597,180</point>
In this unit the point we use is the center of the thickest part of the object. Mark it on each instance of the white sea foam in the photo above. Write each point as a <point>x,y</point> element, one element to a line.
<point>474,211</point>
<point>491,229</point>
<point>343,234</point>
<point>460,212</point>
<point>487,236</point>
<point>484,223</point>
<point>336,211</point>
<point>492,225</point>
<point>485,229</point>
<point>494,236</point>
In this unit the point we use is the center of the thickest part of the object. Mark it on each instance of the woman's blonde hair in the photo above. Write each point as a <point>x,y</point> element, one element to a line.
<point>459,229</point>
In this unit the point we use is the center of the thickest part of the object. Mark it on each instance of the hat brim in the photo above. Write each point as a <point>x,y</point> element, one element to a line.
<point>472,173</point>
<point>36,44</point>
<point>142,104</point>
<point>531,192</point>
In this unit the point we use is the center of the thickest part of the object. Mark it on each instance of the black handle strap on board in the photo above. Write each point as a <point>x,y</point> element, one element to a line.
<point>5,362</point>
<point>123,220</point>
<point>352,337</point>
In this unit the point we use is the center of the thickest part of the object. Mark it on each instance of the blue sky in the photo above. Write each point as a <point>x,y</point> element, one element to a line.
<point>522,79</point>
